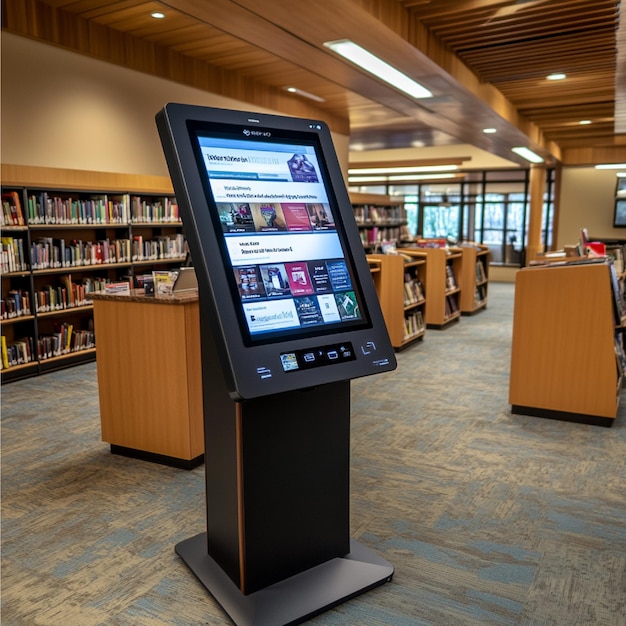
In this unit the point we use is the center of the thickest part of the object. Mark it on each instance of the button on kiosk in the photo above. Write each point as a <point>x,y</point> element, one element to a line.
<point>289,315</point>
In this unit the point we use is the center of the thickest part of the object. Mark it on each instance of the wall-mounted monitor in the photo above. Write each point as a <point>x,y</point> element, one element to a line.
<point>283,278</point>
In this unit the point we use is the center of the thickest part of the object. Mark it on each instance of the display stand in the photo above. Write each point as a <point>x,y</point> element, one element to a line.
<point>277,548</point>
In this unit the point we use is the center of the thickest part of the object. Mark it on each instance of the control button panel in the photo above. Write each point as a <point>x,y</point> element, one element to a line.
<point>298,360</point>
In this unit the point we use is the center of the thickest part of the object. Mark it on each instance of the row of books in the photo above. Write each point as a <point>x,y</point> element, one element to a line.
<point>378,234</point>
<point>96,209</point>
<point>413,289</point>
<point>451,306</point>
<point>480,295</point>
<point>15,304</point>
<point>481,276</point>
<point>160,248</point>
<point>68,294</point>
<point>12,257</point>
<point>64,340</point>
<point>17,352</point>
<point>45,208</point>
<point>52,253</point>
<point>11,209</point>
<point>371,214</point>
<point>451,283</point>
<point>414,324</point>
<point>162,210</point>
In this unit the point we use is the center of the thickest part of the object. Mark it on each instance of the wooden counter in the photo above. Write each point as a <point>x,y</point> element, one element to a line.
<point>149,376</point>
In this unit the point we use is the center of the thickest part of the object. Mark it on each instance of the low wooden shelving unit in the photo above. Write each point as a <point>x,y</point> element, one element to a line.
<point>400,285</point>
<point>567,356</point>
<point>474,277</point>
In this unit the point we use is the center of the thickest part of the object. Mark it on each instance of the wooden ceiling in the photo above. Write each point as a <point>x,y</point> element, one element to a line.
<point>485,61</point>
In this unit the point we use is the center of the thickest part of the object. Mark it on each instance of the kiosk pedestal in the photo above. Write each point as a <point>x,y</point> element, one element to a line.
<point>277,548</point>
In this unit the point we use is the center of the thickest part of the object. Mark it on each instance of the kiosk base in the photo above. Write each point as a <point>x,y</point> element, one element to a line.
<point>295,599</point>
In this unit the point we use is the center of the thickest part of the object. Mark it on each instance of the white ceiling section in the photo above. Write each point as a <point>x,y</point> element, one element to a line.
<point>486,62</point>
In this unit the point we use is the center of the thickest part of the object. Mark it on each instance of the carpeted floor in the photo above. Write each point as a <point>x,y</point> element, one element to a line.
<point>488,517</point>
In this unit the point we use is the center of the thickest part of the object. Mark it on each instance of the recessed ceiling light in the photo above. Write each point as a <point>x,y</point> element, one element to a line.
<point>611,166</point>
<point>490,131</point>
<point>379,68</point>
<point>556,76</point>
<point>304,94</point>
<point>157,15</point>
<point>584,122</point>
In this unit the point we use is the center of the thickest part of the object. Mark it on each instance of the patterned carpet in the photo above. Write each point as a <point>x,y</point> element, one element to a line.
<point>488,517</point>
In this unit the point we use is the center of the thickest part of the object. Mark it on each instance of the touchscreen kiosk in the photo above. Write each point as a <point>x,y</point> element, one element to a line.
<point>282,274</point>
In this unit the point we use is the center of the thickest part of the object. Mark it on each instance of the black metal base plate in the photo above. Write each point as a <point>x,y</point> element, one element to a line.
<point>295,599</point>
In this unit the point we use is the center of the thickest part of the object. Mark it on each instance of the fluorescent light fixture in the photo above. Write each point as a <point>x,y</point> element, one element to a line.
<point>304,94</point>
<point>527,154</point>
<point>379,68</point>
<point>611,166</point>
<point>490,131</point>
<point>621,174</point>
<point>157,15</point>
<point>403,170</point>
<point>400,178</point>
<point>556,76</point>
<point>584,122</point>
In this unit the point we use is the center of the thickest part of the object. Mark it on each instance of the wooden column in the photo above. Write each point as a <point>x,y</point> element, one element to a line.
<point>537,192</point>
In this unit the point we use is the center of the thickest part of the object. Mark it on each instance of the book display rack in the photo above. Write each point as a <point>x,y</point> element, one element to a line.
<point>474,277</point>
<point>379,218</point>
<point>567,359</point>
<point>400,285</point>
<point>443,281</point>
<point>59,245</point>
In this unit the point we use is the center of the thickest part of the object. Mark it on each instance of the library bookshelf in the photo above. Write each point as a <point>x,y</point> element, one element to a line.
<point>65,235</point>
<point>400,285</point>
<point>379,219</point>
<point>443,283</point>
<point>474,277</point>
<point>567,354</point>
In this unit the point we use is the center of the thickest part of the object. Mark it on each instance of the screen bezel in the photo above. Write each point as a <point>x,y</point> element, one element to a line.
<point>273,135</point>
<point>251,371</point>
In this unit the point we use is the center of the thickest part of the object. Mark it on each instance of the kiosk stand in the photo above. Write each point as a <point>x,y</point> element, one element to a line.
<point>277,548</point>
<point>289,315</point>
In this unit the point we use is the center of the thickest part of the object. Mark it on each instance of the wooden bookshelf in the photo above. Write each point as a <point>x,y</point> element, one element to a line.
<point>149,376</point>
<point>474,277</point>
<point>400,285</point>
<point>443,282</point>
<point>566,349</point>
<point>379,218</point>
<point>74,238</point>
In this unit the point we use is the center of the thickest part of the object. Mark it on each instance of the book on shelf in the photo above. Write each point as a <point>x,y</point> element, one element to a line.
<point>12,255</point>
<point>12,214</point>
<point>15,304</point>
<point>450,278</point>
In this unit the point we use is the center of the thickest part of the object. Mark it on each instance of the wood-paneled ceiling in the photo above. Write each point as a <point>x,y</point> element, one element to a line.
<point>485,61</point>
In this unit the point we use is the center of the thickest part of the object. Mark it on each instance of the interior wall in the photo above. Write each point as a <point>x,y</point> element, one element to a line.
<point>65,110</point>
<point>587,201</point>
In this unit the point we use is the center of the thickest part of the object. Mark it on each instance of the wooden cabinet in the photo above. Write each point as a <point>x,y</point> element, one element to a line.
<point>400,285</point>
<point>443,283</point>
<point>566,351</point>
<point>379,219</point>
<point>149,376</point>
<point>474,277</point>
<point>70,244</point>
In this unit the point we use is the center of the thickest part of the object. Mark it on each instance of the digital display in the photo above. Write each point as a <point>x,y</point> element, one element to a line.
<point>287,300</point>
<point>281,237</point>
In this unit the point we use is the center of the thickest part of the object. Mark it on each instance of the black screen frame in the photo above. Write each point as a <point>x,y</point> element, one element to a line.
<point>252,369</point>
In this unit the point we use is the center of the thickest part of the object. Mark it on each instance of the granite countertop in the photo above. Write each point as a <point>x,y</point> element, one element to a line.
<point>137,295</point>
